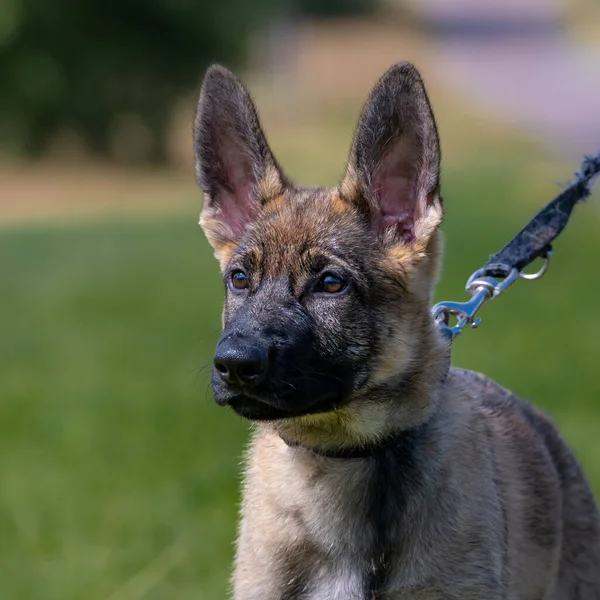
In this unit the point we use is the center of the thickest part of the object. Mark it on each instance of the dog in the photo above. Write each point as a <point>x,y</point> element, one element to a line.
<point>376,471</point>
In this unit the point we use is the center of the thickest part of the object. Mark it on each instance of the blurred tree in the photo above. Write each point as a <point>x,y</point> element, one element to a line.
<point>83,66</point>
<point>334,8</point>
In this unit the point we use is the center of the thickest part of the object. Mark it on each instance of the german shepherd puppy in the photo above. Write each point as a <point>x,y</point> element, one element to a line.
<point>376,471</point>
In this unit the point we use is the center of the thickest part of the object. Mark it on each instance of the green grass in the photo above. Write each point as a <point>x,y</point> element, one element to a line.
<point>119,475</point>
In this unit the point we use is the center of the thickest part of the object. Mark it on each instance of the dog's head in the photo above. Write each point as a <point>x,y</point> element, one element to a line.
<point>327,291</point>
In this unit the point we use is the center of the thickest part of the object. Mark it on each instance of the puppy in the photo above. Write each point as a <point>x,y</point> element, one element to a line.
<point>376,471</point>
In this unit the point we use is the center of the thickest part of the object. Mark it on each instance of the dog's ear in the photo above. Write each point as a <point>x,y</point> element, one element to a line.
<point>394,165</point>
<point>234,164</point>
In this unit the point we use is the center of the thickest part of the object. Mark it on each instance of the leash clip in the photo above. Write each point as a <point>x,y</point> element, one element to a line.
<point>481,287</point>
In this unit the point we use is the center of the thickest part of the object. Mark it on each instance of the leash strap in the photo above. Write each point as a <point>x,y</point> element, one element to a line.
<point>535,239</point>
<point>505,267</point>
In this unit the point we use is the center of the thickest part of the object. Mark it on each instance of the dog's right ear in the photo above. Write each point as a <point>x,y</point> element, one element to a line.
<point>234,164</point>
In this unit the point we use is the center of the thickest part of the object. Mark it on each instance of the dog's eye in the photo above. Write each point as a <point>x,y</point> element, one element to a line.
<point>330,284</point>
<point>239,280</point>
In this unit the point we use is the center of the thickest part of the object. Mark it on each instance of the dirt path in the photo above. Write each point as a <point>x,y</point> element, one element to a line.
<point>59,191</point>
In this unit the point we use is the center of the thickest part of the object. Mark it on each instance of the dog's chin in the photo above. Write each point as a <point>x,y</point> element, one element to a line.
<point>257,408</point>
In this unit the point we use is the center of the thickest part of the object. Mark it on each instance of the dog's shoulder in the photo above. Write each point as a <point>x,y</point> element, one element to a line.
<point>525,439</point>
<point>518,417</point>
<point>496,401</point>
<point>529,437</point>
<point>538,465</point>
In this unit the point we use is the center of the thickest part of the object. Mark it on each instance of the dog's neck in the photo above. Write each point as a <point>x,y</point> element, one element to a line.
<point>352,452</point>
<point>379,417</point>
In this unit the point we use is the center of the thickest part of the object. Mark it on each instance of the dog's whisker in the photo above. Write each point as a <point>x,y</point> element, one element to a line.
<point>200,371</point>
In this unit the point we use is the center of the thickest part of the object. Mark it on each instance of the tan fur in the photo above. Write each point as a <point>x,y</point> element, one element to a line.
<point>276,203</point>
<point>339,204</point>
<point>350,188</point>
<point>271,185</point>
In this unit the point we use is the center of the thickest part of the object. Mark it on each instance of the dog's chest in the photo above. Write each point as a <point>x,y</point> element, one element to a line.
<point>366,532</point>
<point>350,514</point>
<point>350,581</point>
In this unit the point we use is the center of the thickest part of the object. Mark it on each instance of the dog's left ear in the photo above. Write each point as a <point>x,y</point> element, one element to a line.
<point>394,165</point>
<point>234,164</point>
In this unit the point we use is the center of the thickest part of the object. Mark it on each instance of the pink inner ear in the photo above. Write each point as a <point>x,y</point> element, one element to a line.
<point>397,203</point>
<point>237,205</point>
<point>237,209</point>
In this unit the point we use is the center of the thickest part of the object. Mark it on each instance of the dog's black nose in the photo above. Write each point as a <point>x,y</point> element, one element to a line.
<point>237,362</point>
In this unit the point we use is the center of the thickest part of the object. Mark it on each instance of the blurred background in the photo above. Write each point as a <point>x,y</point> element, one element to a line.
<point>119,475</point>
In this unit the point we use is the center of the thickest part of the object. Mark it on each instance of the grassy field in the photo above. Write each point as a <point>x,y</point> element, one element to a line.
<point>119,475</point>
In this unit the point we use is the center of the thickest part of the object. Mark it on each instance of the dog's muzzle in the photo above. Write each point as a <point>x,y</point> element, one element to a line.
<point>241,364</point>
<point>263,380</point>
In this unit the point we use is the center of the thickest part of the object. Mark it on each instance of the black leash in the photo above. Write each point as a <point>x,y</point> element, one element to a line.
<point>505,267</point>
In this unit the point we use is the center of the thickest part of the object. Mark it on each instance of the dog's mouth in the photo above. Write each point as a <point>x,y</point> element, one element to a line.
<point>259,408</point>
